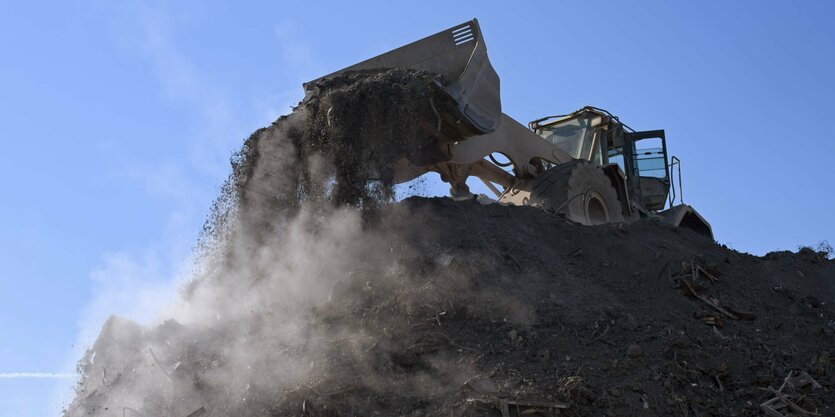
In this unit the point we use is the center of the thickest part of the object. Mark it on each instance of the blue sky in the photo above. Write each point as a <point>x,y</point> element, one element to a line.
<point>117,120</point>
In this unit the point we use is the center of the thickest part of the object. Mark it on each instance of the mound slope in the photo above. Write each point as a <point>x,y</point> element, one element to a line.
<point>319,296</point>
<point>457,306</point>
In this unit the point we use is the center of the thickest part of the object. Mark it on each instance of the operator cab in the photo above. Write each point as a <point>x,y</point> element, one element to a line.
<point>599,137</point>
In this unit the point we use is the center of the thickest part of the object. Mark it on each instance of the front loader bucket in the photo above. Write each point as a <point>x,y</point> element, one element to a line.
<point>459,58</point>
<point>686,216</point>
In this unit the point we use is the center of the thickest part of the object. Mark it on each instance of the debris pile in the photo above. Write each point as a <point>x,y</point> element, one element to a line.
<point>314,299</point>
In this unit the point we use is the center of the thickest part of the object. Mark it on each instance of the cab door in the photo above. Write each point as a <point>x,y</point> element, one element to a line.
<point>649,171</point>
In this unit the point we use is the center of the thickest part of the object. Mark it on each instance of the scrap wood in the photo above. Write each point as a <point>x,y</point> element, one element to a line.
<point>161,368</point>
<point>694,273</point>
<point>743,315</point>
<point>803,379</point>
<point>797,409</point>
<point>717,307</point>
<point>507,255</point>
<point>711,319</point>
<point>504,404</point>
<point>770,412</point>
<point>504,408</point>
<point>481,385</point>
<point>784,400</point>
<point>702,270</point>
<point>308,409</point>
<point>331,393</point>
<point>495,252</point>
<point>695,270</point>
<point>689,289</point>
<point>198,412</point>
<point>496,402</point>
<point>665,268</point>
<point>456,345</point>
<point>538,404</point>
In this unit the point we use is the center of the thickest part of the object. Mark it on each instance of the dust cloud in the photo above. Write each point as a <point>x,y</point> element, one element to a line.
<point>295,265</point>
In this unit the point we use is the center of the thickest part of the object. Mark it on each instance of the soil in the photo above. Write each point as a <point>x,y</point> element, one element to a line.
<point>350,130</point>
<point>332,300</point>
<point>594,317</point>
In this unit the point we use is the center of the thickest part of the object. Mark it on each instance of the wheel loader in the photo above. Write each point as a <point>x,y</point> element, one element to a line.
<point>587,166</point>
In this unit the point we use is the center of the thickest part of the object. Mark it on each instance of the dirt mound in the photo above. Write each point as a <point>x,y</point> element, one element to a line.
<point>315,299</point>
<point>459,305</point>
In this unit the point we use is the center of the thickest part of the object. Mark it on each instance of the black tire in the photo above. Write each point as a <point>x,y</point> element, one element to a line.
<point>579,191</point>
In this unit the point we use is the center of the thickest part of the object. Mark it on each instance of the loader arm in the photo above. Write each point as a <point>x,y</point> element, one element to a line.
<point>474,126</point>
<point>524,149</point>
<point>517,143</point>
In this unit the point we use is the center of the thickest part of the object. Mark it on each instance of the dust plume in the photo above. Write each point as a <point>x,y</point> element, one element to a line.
<point>304,283</point>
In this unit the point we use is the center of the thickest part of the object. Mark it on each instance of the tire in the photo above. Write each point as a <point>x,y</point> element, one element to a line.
<point>579,191</point>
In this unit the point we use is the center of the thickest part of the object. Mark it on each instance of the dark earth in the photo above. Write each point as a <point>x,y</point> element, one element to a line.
<point>323,297</point>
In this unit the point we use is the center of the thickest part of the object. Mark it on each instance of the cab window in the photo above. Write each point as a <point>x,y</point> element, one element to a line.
<point>574,136</point>
<point>649,158</point>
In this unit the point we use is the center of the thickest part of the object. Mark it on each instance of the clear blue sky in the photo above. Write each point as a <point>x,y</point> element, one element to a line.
<point>117,120</point>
